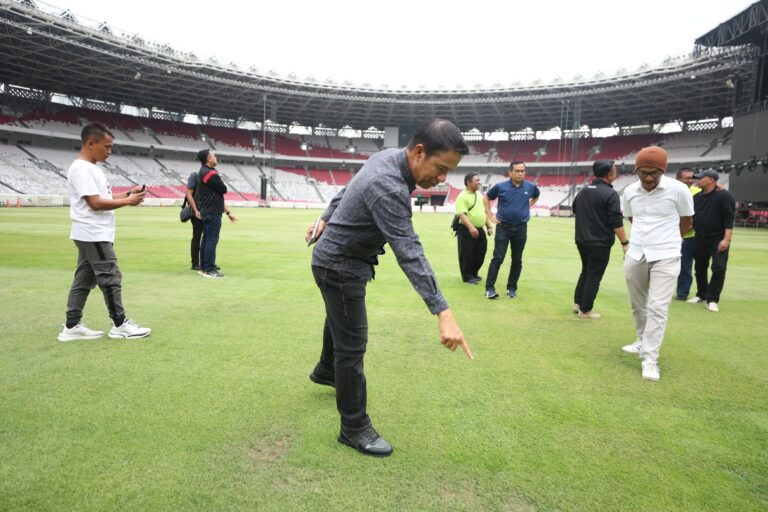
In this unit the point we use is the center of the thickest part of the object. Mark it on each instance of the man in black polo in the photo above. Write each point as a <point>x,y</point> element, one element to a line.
<point>713,222</point>
<point>375,209</point>
<point>598,222</point>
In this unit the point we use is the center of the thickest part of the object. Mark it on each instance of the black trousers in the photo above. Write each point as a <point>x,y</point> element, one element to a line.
<point>514,236</point>
<point>594,261</point>
<point>703,250</point>
<point>345,337</point>
<point>197,234</point>
<point>471,251</point>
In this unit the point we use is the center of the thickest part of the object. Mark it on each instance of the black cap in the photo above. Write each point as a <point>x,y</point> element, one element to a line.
<point>707,173</point>
<point>202,155</point>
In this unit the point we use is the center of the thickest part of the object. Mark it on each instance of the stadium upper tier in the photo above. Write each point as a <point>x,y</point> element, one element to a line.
<point>48,53</point>
<point>24,122</point>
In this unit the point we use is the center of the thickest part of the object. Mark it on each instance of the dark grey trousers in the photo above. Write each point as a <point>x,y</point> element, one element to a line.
<point>96,264</point>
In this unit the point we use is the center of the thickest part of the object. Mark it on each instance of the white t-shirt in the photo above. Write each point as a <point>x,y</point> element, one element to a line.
<point>656,218</point>
<point>87,179</point>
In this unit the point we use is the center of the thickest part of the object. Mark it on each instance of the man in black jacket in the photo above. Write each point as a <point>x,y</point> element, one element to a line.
<point>598,222</point>
<point>209,198</point>
<point>713,222</point>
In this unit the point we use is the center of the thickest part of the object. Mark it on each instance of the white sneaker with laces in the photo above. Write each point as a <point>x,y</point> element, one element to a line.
<point>129,330</point>
<point>79,332</point>
<point>633,348</point>
<point>695,300</point>
<point>576,308</point>
<point>589,315</point>
<point>650,370</point>
<point>712,306</point>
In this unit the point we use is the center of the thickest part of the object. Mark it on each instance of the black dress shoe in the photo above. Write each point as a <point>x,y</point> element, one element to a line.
<point>366,441</point>
<point>325,381</point>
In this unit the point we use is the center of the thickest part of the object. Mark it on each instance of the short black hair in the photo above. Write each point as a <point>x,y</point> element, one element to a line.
<point>469,177</point>
<point>681,170</point>
<point>514,163</point>
<point>602,168</point>
<point>95,131</point>
<point>439,135</point>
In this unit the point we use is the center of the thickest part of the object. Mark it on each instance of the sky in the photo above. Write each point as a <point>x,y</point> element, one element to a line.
<point>432,44</point>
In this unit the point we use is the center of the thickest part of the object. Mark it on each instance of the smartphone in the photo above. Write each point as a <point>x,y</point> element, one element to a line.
<point>143,188</point>
<point>314,232</point>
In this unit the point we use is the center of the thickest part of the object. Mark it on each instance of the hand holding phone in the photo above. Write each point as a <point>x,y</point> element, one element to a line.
<point>312,237</point>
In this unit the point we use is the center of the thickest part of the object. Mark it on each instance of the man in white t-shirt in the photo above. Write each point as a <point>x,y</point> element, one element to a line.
<point>91,206</point>
<point>661,211</point>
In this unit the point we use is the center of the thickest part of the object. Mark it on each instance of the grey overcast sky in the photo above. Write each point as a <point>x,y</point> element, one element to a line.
<point>421,43</point>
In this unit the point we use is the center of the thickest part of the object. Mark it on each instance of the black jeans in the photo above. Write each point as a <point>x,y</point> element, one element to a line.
<point>345,337</point>
<point>594,260</point>
<point>197,234</point>
<point>471,251</point>
<point>703,251</point>
<point>515,236</point>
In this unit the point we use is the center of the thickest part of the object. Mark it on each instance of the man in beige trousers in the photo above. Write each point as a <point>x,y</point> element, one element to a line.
<point>660,210</point>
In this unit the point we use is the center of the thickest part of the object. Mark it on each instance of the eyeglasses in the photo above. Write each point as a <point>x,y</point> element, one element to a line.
<point>651,174</point>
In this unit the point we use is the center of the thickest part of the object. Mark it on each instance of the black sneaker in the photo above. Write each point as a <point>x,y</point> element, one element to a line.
<point>366,441</point>
<point>490,293</point>
<point>325,381</point>
<point>212,273</point>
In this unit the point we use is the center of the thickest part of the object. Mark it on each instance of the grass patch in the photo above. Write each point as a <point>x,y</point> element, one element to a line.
<point>214,411</point>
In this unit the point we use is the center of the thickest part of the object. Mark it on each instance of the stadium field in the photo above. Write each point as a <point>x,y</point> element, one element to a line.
<point>214,411</point>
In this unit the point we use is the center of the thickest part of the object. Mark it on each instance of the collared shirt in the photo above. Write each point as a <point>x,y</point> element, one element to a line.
<point>598,213</point>
<point>656,218</point>
<point>514,206</point>
<point>87,179</point>
<point>471,204</point>
<point>372,210</point>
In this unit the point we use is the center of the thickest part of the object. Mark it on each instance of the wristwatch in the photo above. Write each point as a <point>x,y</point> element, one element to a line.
<point>625,242</point>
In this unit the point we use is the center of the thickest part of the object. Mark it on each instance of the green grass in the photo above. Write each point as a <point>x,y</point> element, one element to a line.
<point>215,412</point>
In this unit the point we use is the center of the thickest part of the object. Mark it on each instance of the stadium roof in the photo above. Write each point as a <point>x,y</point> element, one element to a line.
<point>747,27</point>
<point>54,53</point>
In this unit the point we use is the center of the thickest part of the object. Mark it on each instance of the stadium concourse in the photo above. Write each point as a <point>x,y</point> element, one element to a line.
<point>39,142</point>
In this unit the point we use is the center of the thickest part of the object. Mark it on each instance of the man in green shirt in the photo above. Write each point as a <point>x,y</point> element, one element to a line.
<point>471,237</point>
<point>684,280</point>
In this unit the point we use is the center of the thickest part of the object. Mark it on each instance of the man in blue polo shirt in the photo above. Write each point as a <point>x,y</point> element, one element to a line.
<point>516,197</point>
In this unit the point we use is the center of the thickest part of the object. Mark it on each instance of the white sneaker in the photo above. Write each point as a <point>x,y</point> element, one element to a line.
<point>712,306</point>
<point>695,300</point>
<point>650,370</point>
<point>79,332</point>
<point>633,348</point>
<point>576,308</point>
<point>129,330</point>
<point>589,315</point>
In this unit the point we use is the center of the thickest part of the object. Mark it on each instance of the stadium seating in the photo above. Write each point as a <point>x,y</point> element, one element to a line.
<point>19,172</point>
<point>342,176</point>
<point>229,138</point>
